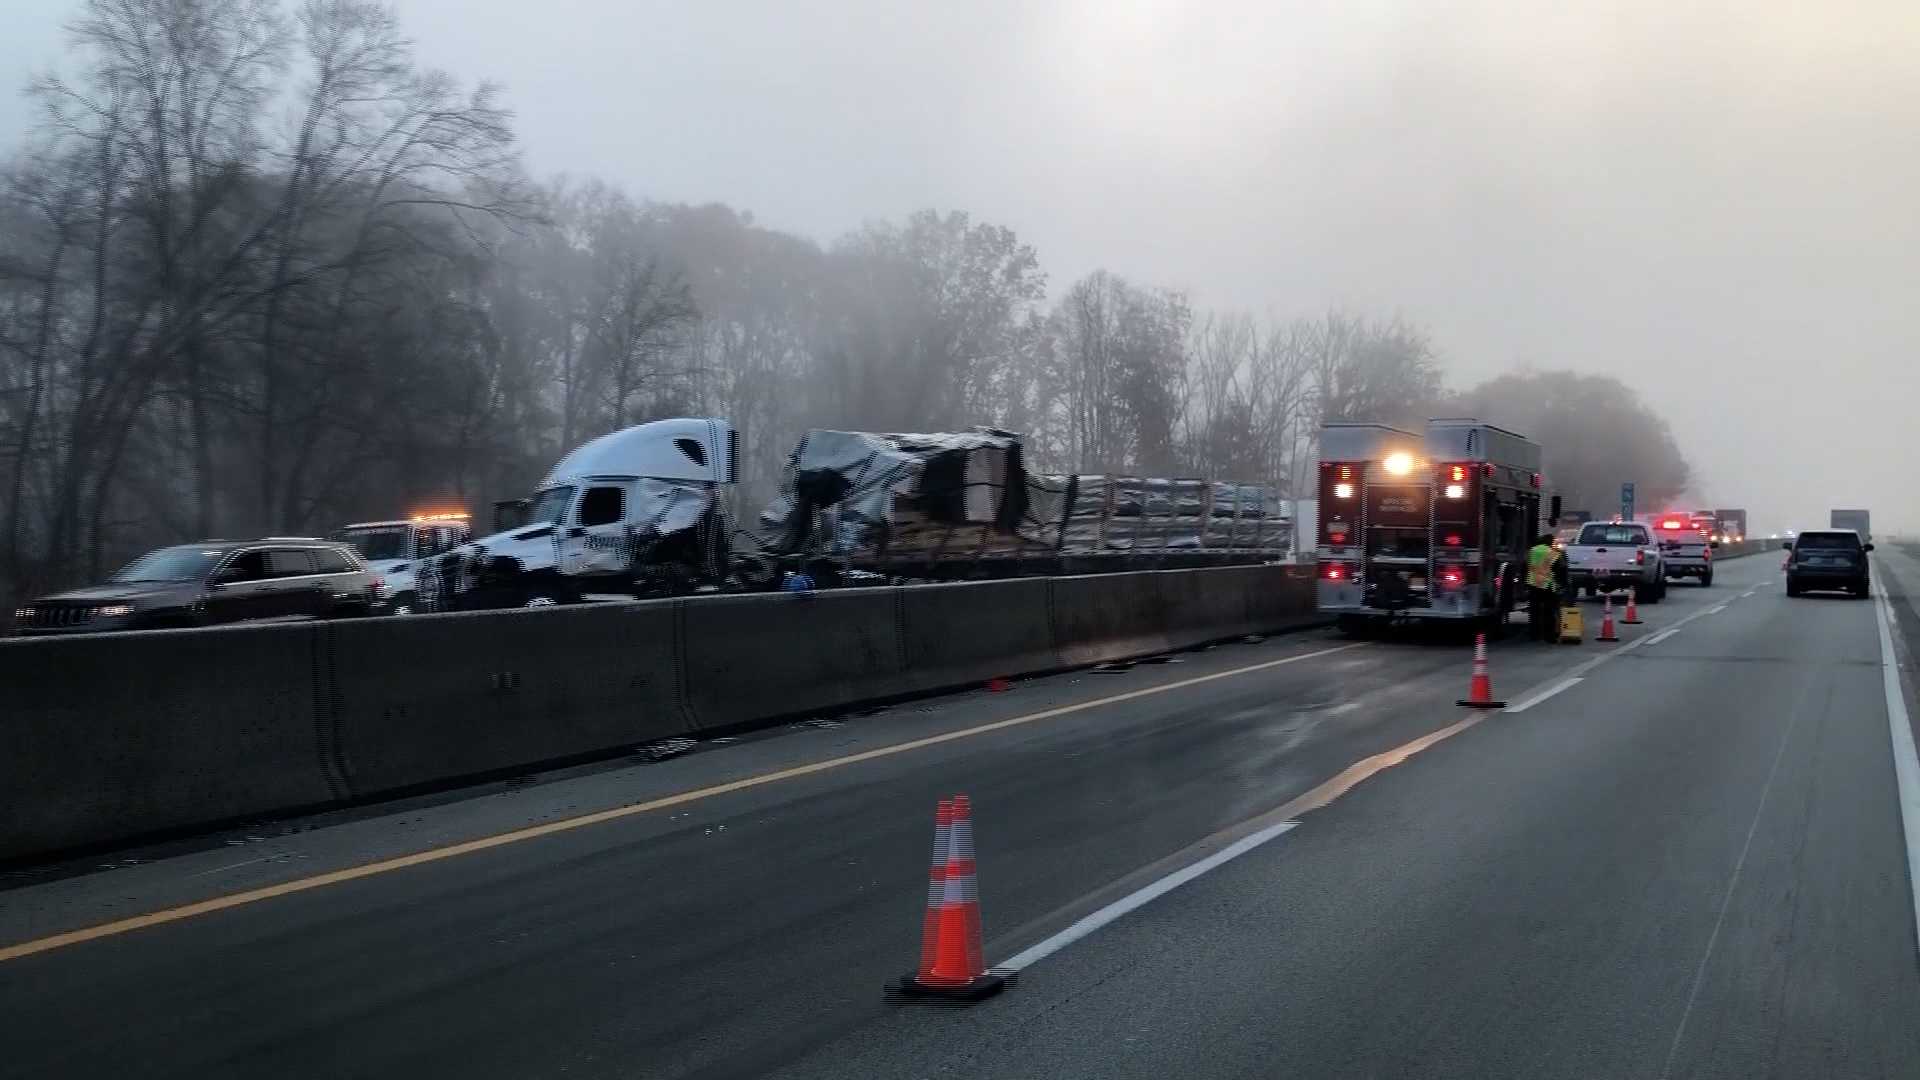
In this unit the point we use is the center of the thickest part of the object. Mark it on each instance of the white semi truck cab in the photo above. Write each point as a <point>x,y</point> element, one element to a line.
<point>631,501</point>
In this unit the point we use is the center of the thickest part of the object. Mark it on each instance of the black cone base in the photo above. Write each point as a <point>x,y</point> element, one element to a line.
<point>909,988</point>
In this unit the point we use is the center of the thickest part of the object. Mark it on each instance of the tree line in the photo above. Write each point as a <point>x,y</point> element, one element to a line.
<point>261,272</point>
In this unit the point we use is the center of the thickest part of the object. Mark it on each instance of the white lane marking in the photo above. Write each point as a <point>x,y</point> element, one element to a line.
<point>1716,610</point>
<point>1726,901</point>
<point>1343,707</point>
<point>1906,762</point>
<point>1749,592</point>
<point>1564,684</point>
<point>1585,666</point>
<point>1035,953</point>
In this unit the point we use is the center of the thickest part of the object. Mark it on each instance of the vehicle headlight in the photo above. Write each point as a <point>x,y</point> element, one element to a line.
<point>23,613</point>
<point>112,611</point>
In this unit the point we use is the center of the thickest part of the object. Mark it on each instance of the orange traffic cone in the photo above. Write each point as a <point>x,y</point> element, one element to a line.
<point>936,882</point>
<point>1633,608</point>
<point>952,967</point>
<point>1606,622</point>
<point>1480,692</point>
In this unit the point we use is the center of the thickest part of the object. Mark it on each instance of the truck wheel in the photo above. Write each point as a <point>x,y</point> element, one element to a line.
<point>1706,580</point>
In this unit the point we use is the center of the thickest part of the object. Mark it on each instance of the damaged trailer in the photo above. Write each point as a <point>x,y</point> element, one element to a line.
<point>638,513</point>
<point>963,506</point>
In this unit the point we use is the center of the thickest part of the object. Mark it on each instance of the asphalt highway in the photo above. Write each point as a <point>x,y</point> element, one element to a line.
<point>1682,855</point>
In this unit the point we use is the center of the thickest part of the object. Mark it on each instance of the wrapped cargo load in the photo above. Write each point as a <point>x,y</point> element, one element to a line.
<point>849,492</point>
<point>963,504</point>
<point>1126,514</point>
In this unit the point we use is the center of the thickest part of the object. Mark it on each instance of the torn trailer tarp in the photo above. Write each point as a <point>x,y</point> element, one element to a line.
<point>852,491</point>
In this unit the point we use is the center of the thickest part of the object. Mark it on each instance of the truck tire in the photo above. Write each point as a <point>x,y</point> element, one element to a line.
<point>1706,579</point>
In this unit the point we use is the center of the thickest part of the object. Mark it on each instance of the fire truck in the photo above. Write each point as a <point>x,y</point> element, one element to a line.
<point>1432,526</point>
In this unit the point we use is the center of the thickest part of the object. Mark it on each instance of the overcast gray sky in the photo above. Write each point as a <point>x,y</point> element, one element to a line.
<point>1715,202</point>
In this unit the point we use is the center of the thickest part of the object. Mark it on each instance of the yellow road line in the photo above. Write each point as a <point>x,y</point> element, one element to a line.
<point>384,866</point>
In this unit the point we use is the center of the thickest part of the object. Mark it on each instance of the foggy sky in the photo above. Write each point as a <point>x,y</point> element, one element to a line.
<point>1717,205</point>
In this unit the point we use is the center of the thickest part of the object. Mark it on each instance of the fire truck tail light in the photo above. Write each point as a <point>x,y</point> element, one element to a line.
<point>1451,539</point>
<point>1343,491</point>
<point>1456,491</point>
<point>1334,571</point>
<point>1346,472</point>
<point>1457,473</point>
<point>1451,577</point>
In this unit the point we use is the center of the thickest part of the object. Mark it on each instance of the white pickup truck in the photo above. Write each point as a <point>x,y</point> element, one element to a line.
<point>1686,546</point>
<point>1613,555</point>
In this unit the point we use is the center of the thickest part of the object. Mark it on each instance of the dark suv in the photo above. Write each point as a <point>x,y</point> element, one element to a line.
<point>1831,559</point>
<point>219,581</point>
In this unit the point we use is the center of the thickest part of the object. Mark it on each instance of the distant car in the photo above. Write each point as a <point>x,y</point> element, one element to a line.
<point>219,581</point>
<point>1828,559</point>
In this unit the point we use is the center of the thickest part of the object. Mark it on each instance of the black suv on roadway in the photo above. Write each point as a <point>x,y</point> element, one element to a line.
<point>1831,559</point>
<point>218,581</point>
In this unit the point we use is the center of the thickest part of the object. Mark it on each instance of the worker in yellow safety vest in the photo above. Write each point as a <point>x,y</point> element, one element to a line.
<point>1543,588</point>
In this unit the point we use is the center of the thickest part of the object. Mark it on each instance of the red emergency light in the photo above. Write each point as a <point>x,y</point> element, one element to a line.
<point>1457,473</point>
<point>1451,577</point>
<point>1335,571</point>
<point>1451,539</point>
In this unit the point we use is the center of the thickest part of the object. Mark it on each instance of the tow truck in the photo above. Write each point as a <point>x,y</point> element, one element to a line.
<point>1430,527</point>
<point>400,553</point>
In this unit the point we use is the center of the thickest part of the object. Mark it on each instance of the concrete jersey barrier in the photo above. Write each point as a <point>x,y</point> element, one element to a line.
<point>119,736</point>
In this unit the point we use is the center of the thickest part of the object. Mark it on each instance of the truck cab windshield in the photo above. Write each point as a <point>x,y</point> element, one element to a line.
<point>550,506</point>
<point>378,544</point>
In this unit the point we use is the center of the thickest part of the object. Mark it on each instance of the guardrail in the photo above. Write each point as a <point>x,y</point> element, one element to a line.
<point>113,737</point>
